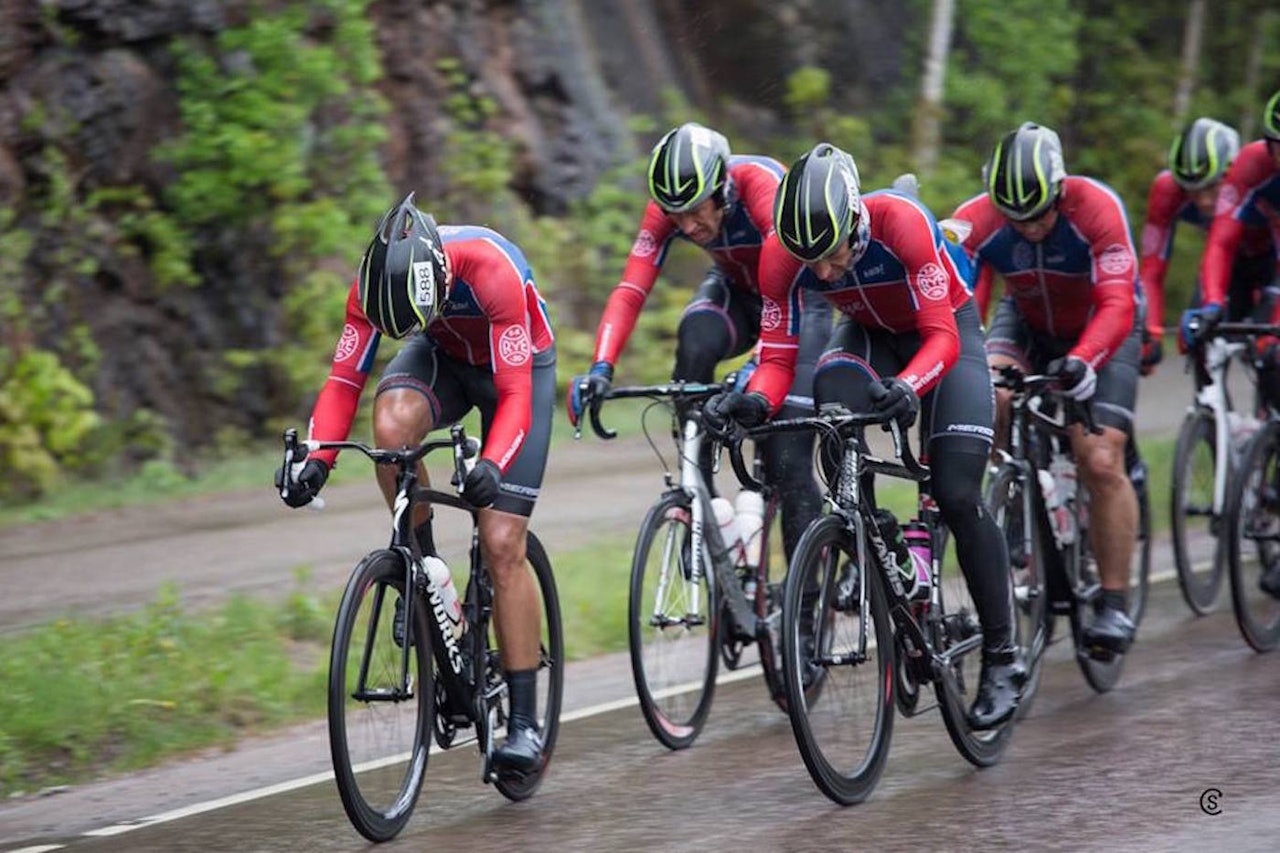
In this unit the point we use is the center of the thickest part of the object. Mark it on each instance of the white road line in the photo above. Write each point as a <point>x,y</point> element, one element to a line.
<point>742,674</point>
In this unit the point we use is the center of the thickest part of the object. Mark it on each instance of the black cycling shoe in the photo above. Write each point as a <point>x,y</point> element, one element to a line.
<point>522,753</point>
<point>999,688</point>
<point>1270,580</point>
<point>1111,631</point>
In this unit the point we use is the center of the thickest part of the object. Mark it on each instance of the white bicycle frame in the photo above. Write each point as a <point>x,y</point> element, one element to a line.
<point>1213,398</point>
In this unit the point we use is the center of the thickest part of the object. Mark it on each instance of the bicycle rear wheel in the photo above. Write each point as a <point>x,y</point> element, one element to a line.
<point>380,712</point>
<point>550,672</point>
<point>1020,520</point>
<point>1197,549</point>
<point>1253,539</point>
<point>838,668</point>
<point>671,625</point>
<point>770,584</point>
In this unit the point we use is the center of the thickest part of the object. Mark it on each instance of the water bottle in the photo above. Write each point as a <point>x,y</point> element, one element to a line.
<point>1059,513</point>
<point>749,509</point>
<point>920,546</point>
<point>442,578</point>
<point>1240,428</point>
<point>727,519</point>
<point>893,540</point>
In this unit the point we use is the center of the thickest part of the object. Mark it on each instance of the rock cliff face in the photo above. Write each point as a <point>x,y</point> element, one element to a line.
<point>94,80</point>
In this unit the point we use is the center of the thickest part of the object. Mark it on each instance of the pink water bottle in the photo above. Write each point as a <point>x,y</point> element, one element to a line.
<point>920,545</point>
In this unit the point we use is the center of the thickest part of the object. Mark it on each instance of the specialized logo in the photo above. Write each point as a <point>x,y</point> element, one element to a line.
<point>644,246</point>
<point>513,346</point>
<point>424,283</point>
<point>347,343</point>
<point>1228,198</point>
<point>932,281</point>
<point>1115,260</point>
<point>770,314</point>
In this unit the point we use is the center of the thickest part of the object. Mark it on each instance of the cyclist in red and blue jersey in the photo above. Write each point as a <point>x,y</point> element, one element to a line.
<point>1250,198</point>
<point>908,342</point>
<point>723,204</point>
<point>1187,192</point>
<point>478,336</point>
<point>1061,242</point>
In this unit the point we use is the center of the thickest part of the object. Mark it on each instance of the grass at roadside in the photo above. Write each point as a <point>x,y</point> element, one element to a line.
<point>86,697</point>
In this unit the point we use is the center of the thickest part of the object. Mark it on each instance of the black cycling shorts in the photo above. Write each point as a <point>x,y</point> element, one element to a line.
<point>452,388</point>
<point>1117,392</point>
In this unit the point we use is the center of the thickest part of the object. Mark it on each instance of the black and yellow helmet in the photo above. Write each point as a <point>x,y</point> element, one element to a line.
<point>1201,154</point>
<point>819,206</point>
<point>1025,173</point>
<point>403,273</point>
<point>1271,118</point>
<point>690,164</point>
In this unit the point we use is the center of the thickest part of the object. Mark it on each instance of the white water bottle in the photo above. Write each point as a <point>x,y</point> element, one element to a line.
<point>749,509</point>
<point>727,519</point>
<point>442,578</point>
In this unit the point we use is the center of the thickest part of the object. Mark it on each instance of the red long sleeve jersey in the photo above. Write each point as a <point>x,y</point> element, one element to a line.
<point>748,220</point>
<point>904,282</point>
<point>1080,283</point>
<point>494,315</point>
<point>1249,198</point>
<point>1167,205</point>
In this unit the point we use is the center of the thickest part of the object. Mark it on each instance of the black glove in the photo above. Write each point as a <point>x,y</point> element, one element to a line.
<point>481,486</point>
<point>896,398</point>
<point>308,479</point>
<point>1152,353</point>
<point>1076,377</point>
<point>585,387</point>
<point>733,407</point>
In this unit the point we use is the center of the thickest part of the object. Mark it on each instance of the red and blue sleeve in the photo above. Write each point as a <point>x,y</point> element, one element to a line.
<point>335,408</point>
<point>1163,203</point>
<point>779,323</point>
<point>643,265</point>
<point>911,236</point>
<point>1251,167</point>
<point>1114,268</point>
<point>502,298</point>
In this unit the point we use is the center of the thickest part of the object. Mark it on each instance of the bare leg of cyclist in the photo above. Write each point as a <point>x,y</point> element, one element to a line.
<point>1113,526</point>
<point>401,418</point>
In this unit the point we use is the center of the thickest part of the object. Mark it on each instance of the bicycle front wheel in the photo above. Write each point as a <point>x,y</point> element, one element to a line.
<point>1020,520</point>
<point>1197,550</point>
<point>550,671</point>
<point>671,625</point>
<point>1253,541</point>
<point>837,663</point>
<point>381,699</point>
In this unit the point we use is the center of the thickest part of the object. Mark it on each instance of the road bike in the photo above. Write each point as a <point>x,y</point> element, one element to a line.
<point>854,635</point>
<point>1044,513</point>
<point>1252,527</point>
<point>1207,452</point>
<point>392,689</point>
<point>695,600</point>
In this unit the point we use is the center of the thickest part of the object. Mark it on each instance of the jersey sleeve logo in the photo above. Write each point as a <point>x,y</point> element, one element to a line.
<point>1115,260</point>
<point>932,281</point>
<point>1152,239</point>
<point>770,315</point>
<point>513,346</point>
<point>347,343</point>
<point>644,245</point>
<point>1228,198</point>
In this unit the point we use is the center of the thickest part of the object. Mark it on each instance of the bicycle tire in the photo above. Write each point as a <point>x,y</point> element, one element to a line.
<point>1257,613</point>
<point>663,635</point>
<point>378,818</point>
<point>1006,499</point>
<point>770,582</point>
<point>1199,589</point>
<point>551,663</point>
<point>820,555</point>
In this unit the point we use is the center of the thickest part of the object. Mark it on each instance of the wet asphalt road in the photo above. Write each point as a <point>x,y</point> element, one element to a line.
<point>1195,711</point>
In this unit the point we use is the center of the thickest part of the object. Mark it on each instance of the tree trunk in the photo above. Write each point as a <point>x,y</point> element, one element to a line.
<point>1191,38</point>
<point>928,118</point>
